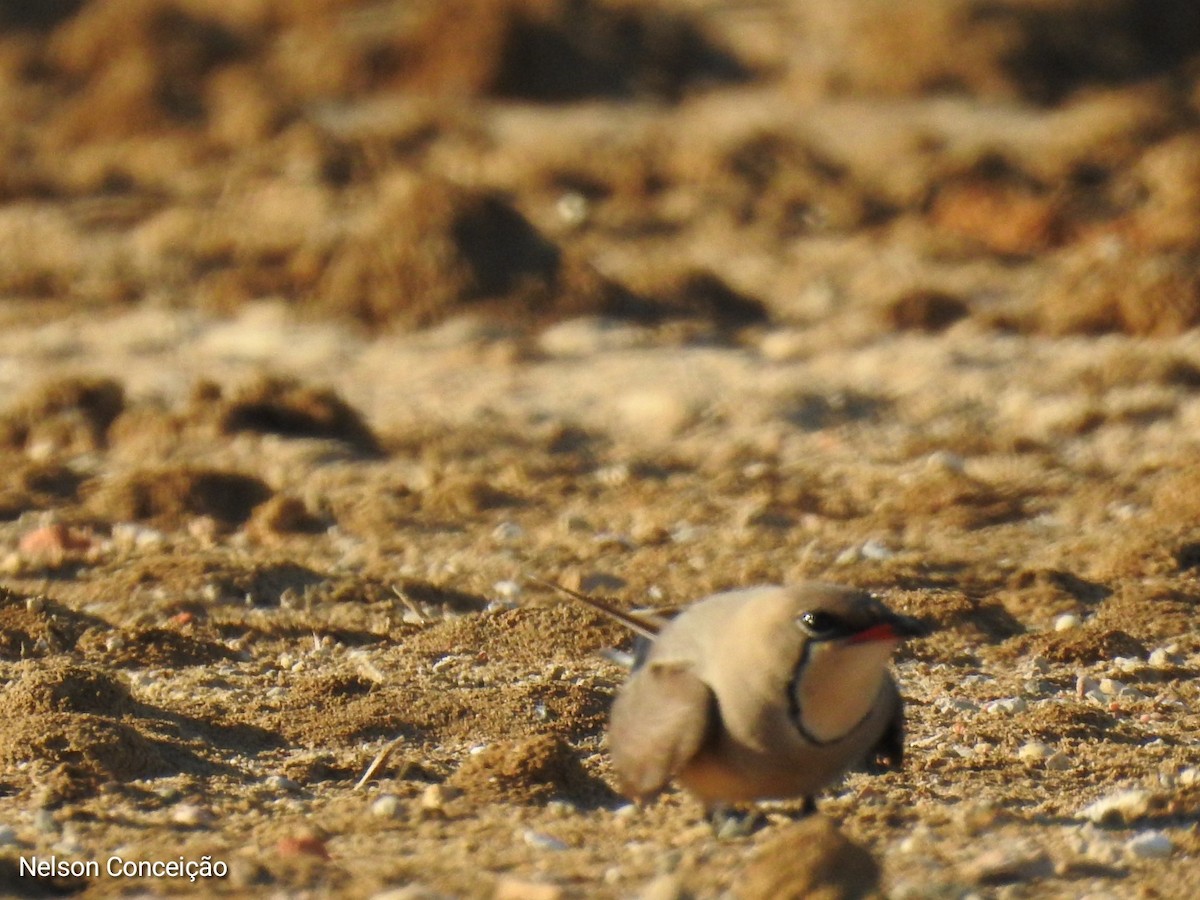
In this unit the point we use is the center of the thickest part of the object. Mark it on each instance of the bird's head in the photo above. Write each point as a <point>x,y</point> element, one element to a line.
<point>847,640</point>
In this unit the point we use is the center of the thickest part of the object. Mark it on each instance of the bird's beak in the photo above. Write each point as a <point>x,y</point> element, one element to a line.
<point>894,628</point>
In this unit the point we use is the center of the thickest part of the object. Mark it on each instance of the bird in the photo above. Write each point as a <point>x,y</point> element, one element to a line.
<point>762,693</point>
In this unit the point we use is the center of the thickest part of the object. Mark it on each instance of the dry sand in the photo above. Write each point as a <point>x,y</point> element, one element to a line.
<point>326,324</point>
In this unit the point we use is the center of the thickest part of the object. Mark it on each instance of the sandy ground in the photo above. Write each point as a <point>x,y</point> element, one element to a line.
<point>325,326</point>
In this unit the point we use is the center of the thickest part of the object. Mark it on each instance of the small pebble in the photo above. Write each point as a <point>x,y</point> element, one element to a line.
<point>572,207</point>
<point>785,345</point>
<point>507,532</point>
<point>848,557</point>
<point>1066,622</point>
<point>917,841</point>
<point>614,475</point>
<point>388,806</point>
<point>1159,659</point>
<point>656,413</point>
<point>946,461</point>
<point>876,550</point>
<point>281,783</point>
<point>542,841</point>
<point>436,796</point>
<point>1189,776</point>
<point>303,845</point>
<point>8,836</point>
<point>955,704</point>
<point>1118,808</point>
<point>1150,845</point>
<point>1006,706</point>
<point>191,815</point>
<point>1035,751</point>
<point>507,590</point>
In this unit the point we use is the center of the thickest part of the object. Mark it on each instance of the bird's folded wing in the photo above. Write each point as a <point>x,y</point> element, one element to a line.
<point>661,719</point>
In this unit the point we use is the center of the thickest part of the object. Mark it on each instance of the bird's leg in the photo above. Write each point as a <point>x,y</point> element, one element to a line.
<point>808,806</point>
<point>728,822</point>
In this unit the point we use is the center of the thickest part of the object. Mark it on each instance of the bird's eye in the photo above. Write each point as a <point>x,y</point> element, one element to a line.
<point>819,624</point>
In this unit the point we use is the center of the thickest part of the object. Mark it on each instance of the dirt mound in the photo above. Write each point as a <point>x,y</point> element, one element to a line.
<point>284,514</point>
<point>960,500</point>
<point>34,627</point>
<point>433,249</point>
<point>151,647</point>
<point>92,747</point>
<point>926,310</point>
<point>138,66</point>
<point>286,407</point>
<point>170,497</point>
<point>1037,51</point>
<point>778,178</point>
<point>529,771</point>
<point>1106,288</point>
<point>704,295</point>
<point>527,636</point>
<point>34,484</point>
<point>439,711</point>
<point>68,415</point>
<point>562,50</point>
<point>242,71</point>
<point>999,216</point>
<point>811,859</point>
<point>62,687</point>
<point>1087,646</point>
<point>363,711</point>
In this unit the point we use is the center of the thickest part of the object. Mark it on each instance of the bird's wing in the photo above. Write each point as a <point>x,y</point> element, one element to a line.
<point>661,719</point>
<point>888,751</point>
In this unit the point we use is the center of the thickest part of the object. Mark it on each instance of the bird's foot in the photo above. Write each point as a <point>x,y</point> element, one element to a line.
<point>729,823</point>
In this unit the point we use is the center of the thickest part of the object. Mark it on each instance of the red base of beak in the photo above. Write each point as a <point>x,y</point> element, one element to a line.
<point>880,632</point>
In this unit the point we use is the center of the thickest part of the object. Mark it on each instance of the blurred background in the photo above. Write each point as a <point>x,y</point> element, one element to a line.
<point>325,323</point>
<point>1031,164</point>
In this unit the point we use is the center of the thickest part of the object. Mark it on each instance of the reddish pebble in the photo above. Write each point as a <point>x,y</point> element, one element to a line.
<point>53,540</point>
<point>306,845</point>
<point>182,618</point>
